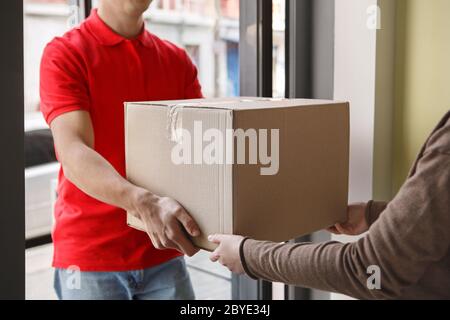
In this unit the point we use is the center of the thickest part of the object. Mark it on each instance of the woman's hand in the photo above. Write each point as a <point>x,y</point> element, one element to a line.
<point>356,223</point>
<point>227,253</point>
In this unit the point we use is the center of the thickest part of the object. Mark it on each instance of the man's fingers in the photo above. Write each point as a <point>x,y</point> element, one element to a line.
<point>183,244</point>
<point>155,241</point>
<point>168,244</point>
<point>188,223</point>
<point>187,247</point>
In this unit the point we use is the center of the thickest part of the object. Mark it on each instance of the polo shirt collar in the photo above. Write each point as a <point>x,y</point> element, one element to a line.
<point>107,37</point>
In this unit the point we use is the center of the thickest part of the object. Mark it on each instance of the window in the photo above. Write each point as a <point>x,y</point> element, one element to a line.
<point>209,31</point>
<point>43,20</point>
<point>279,48</point>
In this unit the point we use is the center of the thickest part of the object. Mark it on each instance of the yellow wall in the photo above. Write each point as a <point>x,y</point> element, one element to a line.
<point>422,77</point>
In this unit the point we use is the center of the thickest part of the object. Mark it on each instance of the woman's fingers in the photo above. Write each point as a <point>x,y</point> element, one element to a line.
<point>342,229</point>
<point>215,256</point>
<point>215,238</point>
<point>333,230</point>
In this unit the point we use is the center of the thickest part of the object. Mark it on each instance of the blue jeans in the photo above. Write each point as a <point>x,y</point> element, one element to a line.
<point>169,281</point>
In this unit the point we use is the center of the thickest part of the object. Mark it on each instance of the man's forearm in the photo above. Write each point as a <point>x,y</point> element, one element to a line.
<point>96,177</point>
<point>164,218</point>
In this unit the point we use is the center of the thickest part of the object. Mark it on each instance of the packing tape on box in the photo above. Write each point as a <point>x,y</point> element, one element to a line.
<point>175,121</point>
<point>175,117</point>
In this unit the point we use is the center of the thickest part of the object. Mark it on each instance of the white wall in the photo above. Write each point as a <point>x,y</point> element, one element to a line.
<point>354,81</point>
<point>39,29</point>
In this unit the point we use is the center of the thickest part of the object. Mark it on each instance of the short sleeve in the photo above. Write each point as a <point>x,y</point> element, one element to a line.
<point>63,81</point>
<point>193,89</point>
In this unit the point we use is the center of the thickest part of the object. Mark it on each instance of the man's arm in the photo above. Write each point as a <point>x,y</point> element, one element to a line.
<point>90,172</point>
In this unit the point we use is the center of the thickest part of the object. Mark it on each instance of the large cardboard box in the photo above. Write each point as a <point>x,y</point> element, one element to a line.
<point>268,169</point>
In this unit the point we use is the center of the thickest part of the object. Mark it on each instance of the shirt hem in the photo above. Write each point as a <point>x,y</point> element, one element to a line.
<point>113,268</point>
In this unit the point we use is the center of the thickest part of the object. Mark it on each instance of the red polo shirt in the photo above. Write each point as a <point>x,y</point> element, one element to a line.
<point>92,68</point>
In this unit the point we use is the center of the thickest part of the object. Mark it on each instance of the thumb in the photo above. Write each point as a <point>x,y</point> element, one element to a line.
<point>188,223</point>
<point>333,230</point>
<point>342,228</point>
<point>216,238</point>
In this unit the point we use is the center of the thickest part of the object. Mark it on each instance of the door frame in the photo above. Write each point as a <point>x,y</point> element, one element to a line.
<point>12,185</point>
<point>256,63</point>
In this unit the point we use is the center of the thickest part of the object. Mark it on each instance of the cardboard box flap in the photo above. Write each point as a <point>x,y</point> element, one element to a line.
<point>236,104</point>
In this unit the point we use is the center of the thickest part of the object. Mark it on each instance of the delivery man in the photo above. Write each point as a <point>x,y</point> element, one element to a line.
<point>405,255</point>
<point>86,76</point>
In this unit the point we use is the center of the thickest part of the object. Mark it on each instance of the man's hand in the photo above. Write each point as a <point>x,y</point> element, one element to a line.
<point>228,252</point>
<point>356,223</point>
<point>167,223</point>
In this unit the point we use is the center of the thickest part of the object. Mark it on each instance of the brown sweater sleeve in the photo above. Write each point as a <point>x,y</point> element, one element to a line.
<point>412,233</point>
<point>373,211</point>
